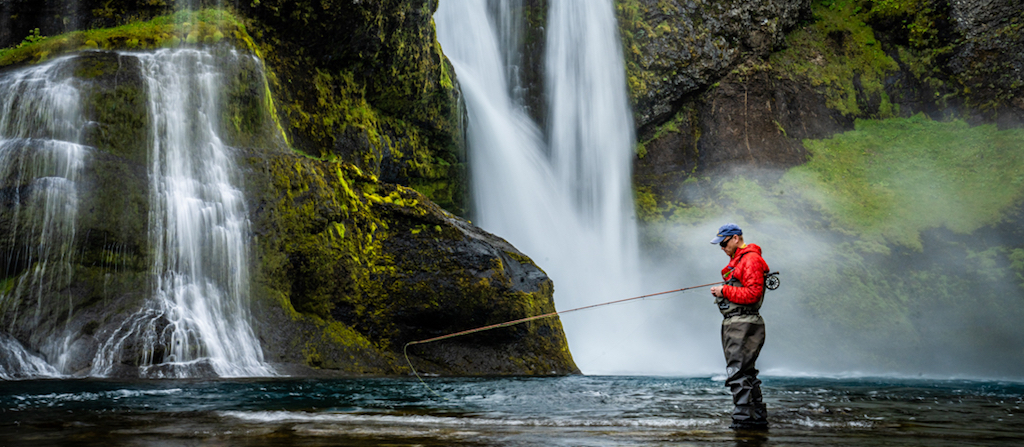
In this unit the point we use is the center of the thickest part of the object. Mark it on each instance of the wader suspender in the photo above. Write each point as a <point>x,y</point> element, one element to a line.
<point>730,309</point>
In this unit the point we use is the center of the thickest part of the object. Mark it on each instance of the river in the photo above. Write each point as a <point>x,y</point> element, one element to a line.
<point>513,411</point>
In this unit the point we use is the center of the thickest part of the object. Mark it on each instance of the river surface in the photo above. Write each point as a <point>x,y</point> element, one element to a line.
<point>559,411</point>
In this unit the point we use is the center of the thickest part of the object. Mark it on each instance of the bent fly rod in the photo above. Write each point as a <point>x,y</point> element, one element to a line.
<point>771,283</point>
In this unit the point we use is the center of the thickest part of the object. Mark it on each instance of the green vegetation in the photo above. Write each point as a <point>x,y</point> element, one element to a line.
<point>206,26</point>
<point>369,265</point>
<point>898,177</point>
<point>885,182</point>
<point>384,99</point>
<point>837,52</point>
<point>630,14</point>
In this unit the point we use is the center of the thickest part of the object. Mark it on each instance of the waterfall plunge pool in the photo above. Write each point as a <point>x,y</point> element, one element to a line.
<point>514,411</point>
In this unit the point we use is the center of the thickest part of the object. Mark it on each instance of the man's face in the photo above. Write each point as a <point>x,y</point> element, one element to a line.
<point>732,243</point>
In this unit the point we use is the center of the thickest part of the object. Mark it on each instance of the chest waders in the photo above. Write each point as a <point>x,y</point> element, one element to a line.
<point>742,338</point>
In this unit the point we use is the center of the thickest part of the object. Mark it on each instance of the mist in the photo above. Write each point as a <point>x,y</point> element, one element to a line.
<point>849,304</point>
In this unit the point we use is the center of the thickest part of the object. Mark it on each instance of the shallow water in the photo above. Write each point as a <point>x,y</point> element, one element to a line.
<point>560,411</point>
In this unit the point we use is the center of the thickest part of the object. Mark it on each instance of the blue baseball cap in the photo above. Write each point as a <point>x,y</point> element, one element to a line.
<point>729,229</point>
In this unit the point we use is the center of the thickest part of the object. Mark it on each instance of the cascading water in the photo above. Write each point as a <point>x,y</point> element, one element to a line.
<point>16,362</point>
<point>41,159</point>
<point>563,195</point>
<point>198,229</point>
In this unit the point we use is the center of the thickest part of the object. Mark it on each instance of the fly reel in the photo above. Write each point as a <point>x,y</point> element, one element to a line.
<point>771,281</point>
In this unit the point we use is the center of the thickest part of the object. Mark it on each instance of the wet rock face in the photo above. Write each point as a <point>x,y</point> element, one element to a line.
<point>751,119</point>
<point>675,47</point>
<point>110,241</point>
<point>989,64</point>
<point>974,18</point>
<point>371,266</point>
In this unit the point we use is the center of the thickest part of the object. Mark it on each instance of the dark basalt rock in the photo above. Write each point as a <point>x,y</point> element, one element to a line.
<point>676,47</point>
<point>753,119</point>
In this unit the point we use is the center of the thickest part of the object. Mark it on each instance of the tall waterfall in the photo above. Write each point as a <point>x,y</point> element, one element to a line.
<point>199,232</point>
<point>561,194</point>
<point>41,159</point>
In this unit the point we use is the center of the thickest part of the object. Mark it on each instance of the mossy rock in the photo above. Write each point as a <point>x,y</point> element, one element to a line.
<point>383,98</point>
<point>382,265</point>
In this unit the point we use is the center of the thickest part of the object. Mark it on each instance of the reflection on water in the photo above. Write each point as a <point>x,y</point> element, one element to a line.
<point>565,411</point>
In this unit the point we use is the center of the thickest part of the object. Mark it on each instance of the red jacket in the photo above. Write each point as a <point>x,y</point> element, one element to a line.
<point>749,268</point>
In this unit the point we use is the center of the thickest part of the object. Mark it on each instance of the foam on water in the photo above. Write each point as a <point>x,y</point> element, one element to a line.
<point>475,420</point>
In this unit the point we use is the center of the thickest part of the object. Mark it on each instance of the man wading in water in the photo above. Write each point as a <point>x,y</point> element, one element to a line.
<point>743,328</point>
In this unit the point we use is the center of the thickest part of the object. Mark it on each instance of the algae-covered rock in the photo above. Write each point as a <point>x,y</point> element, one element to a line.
<point>352,269</point>
<point>367,82</point>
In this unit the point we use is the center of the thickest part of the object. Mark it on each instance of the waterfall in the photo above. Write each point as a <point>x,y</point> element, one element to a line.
<point>41,159</point>
<point>198,233</point>
<point>17,363</point>
<point>562,194</point>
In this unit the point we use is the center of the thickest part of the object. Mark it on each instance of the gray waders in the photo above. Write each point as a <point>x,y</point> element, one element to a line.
<point>742,339</point>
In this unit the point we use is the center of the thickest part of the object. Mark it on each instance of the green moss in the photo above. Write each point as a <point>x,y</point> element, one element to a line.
<point>7,285</point>
<point>123,119</point>
<point>385,100</point>
<point>630,14</point>
<point>898,177</point>
<point>331,240</point>
<point>646,203</point>
<point>164,31</point>
<point>885,182</point>
<point>835,53</point>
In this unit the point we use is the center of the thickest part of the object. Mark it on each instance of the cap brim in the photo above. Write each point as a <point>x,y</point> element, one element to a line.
<point>718,240</point>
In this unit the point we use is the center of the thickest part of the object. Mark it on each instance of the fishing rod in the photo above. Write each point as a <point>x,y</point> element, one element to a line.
<point>771,281</point>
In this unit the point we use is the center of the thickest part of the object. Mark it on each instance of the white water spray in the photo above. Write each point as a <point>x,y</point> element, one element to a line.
<point>199,233</point>
<point>562,195</point>
<point>17,363</point>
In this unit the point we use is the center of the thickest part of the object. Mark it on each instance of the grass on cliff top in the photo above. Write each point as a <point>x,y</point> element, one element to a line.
<point>897,177</point>
<point>192,27</point>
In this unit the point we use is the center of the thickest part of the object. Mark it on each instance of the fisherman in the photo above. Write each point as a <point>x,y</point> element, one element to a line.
<point>739,300</point>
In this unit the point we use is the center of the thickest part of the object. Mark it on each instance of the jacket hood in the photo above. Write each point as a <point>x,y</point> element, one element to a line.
<point>747,249</point>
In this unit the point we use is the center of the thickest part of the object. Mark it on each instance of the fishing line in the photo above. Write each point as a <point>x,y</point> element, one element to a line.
<point>405,349</point>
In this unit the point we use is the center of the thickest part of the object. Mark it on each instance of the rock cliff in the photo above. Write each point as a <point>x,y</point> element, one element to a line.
<point>722,86</point>
<point>350,262</point>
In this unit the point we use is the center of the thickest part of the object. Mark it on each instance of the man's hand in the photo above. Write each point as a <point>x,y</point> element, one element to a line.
<point>717,291</point>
